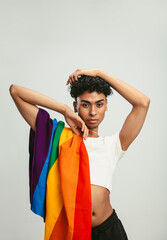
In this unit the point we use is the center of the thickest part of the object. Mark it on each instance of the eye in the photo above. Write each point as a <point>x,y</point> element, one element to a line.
<point>85,105</point>
<point>99,104</point>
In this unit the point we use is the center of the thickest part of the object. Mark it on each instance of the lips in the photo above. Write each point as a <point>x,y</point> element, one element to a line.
<point>92,120</point>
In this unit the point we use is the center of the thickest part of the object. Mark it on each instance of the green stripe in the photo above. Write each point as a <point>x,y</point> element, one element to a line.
<point>54,151</point>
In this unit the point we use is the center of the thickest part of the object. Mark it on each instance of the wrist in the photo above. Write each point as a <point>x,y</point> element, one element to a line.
<point>99,73</point>
<point>65,109</point>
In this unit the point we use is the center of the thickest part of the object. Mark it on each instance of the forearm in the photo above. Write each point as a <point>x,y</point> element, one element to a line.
<point>132,95</point>
<point>36,98</point>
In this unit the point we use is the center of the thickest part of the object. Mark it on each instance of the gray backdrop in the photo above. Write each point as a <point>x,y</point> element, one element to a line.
<point>41,43</point>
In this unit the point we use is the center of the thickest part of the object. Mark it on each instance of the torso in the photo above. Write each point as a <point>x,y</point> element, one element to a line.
<point>101,207</point>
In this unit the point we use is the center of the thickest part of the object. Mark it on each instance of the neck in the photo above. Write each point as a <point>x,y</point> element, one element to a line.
<point>93,133</point>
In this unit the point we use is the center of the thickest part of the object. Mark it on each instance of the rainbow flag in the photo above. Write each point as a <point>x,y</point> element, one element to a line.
<point>59,178</point>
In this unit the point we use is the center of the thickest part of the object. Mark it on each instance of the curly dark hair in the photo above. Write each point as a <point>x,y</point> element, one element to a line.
<point>91,84</point>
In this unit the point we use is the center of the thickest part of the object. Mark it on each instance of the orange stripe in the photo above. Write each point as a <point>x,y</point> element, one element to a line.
<point>69,169</point>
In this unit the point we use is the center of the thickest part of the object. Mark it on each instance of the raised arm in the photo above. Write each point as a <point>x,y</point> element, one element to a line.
<point>140,103</point>
<point>27,99</point>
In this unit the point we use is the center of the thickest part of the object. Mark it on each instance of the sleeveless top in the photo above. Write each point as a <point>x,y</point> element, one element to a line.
<point>104,153</point>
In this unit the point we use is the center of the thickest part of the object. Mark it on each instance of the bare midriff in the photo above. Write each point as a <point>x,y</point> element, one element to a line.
<point>101,207</point>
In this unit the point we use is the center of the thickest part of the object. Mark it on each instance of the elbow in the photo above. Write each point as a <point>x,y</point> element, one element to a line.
<point>12,90</point>
<point>145,102</point>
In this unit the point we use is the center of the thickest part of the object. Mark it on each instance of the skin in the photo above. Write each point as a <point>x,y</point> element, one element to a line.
<point>139,102</point>
<point>93,106</point>
<point>88,106</point>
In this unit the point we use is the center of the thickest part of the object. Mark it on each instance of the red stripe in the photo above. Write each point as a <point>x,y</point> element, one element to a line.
<point>82,220</point>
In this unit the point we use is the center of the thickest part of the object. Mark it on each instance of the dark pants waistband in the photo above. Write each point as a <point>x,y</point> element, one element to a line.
<point>108,222</point>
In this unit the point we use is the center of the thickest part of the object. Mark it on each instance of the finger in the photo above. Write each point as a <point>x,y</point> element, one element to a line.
<point>83,126</point>
<point>75,130</point>
<point>69,79</point>
<point>73,78</point>
<point>85,133</point>
<point>76,77</point>
<point>82,130</point>
<point>68,82</point>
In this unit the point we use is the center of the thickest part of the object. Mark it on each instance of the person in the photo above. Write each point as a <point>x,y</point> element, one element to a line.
<point>90,89</point>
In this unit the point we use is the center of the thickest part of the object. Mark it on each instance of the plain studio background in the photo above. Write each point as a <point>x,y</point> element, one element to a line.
<point>41,43</point>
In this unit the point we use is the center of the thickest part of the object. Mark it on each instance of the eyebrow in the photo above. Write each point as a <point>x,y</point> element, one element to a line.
<point>101,100</point>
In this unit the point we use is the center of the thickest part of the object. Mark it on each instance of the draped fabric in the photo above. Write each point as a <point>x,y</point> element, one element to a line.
<point>59,178</point>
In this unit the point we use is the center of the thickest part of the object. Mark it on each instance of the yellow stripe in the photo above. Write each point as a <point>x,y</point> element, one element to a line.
<point>54,201</point>
<point>66,134</point>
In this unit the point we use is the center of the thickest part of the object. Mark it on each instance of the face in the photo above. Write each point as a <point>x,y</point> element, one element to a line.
<point>91,107</point>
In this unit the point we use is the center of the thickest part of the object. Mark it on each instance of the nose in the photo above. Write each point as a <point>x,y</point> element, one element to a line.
<point>92,111</point>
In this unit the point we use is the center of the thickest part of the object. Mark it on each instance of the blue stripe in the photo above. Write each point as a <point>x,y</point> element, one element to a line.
<point>38,201</point>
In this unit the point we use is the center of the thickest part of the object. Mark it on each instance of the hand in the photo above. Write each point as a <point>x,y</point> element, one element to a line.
<point>89,72</point>
<point>76,123</point>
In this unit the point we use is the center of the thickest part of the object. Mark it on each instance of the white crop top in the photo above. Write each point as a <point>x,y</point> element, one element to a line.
<point>104,153</point>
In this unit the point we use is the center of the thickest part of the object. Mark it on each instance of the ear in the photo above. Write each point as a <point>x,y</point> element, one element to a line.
<point>75,106</point>
<point>106,104</point>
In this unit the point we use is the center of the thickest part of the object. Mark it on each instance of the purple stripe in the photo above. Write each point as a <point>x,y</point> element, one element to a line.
<point>38,147</point>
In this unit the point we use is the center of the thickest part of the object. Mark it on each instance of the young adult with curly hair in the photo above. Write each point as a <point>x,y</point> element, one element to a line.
<point>90,89</point>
